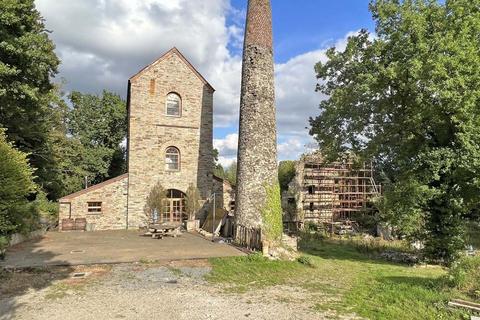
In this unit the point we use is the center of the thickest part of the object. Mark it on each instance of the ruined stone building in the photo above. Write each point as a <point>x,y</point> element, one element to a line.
<point>170,137</point>
<point>329,192</point>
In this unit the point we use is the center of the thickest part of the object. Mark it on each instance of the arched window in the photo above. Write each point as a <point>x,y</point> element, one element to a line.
<point>174,105</point>
<point>172,159</point>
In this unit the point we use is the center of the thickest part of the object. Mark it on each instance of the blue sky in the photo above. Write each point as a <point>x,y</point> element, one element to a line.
<point>306,25</point>
<point>101,43</point>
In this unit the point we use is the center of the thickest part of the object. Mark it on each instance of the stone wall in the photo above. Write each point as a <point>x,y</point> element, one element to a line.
<point>151,131</point>
<point>18,238</point>
<point>225,193</point>
<point>113,196</point>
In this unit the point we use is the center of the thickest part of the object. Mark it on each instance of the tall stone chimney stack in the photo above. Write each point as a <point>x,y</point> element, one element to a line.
<point>257,145</point>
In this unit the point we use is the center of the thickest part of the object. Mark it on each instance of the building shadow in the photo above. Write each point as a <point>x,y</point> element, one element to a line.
<point>18,280</point>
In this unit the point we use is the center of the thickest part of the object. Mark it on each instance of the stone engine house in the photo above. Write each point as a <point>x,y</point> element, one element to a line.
<point>170,141</point>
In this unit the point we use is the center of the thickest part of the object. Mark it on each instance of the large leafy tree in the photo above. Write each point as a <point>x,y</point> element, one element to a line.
<point>97,128</point>
<point>409,97</point>
<point>27,64</point>
<point>17,214</point>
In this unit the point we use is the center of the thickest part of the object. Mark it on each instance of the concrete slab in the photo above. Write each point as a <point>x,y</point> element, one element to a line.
<point>102,247</point>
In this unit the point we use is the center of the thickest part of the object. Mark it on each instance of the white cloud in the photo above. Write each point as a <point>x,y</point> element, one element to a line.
<point>103,42</point>
<point>227,149</point>
<point>297,101</point>
<point>296,98</point>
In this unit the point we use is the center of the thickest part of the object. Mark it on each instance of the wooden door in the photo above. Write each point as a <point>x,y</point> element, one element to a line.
<point>174,210</point>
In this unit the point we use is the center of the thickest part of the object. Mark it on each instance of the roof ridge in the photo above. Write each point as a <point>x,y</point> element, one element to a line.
<point>182,57</point>
<point>94,187</point>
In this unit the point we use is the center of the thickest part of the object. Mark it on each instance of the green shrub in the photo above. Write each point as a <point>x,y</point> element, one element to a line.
<point>308,237</point>
<point>192,201</point>
<point>3,246</point>
<point>47,208</point>
<point>473,234</point>
<point>155,203</point>
<point>17,214</point>
<point>464,275</point>
<point>286,172</point>
<point>256,257</point>
<point>367,221</point>
<point>306,261</point>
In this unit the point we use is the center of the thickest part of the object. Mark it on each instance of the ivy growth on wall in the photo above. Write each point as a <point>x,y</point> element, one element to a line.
<point>272,213</point>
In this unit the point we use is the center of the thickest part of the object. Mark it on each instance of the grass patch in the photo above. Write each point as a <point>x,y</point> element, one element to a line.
<point>60,290</point>
<point>337,277</point>
<point>176,271</point>
<point>147,262</point>
<point>306,261</point>
<point>253,271</point>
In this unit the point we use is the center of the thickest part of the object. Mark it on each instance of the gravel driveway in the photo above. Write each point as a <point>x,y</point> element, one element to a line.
<point>143,291</point>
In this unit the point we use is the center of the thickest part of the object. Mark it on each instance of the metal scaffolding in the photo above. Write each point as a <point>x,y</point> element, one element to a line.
<point>336,192</point>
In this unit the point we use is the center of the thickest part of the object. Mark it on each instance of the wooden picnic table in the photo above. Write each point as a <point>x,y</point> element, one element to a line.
<point>158,231</point>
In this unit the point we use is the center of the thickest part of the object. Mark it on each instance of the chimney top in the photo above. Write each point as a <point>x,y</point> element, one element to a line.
<point>259,24</point>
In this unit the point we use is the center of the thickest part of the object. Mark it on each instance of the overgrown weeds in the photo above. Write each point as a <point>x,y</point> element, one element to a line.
<point>464,275</point>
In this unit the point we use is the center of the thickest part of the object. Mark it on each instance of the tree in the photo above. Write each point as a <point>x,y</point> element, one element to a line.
<point>155,201</point>
<point>286,172</point>
<point>192,201</point>
<point>409,98</point>
<point>17,214</point>
<point>218,170</point>
<point>231,173</point>
<point>97,125</point>
<point>27,64</point>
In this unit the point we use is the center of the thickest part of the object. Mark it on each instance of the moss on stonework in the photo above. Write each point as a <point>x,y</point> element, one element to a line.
<point>272,214</point>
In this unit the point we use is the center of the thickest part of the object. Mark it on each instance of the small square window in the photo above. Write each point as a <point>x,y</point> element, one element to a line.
<point>94,207</point>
